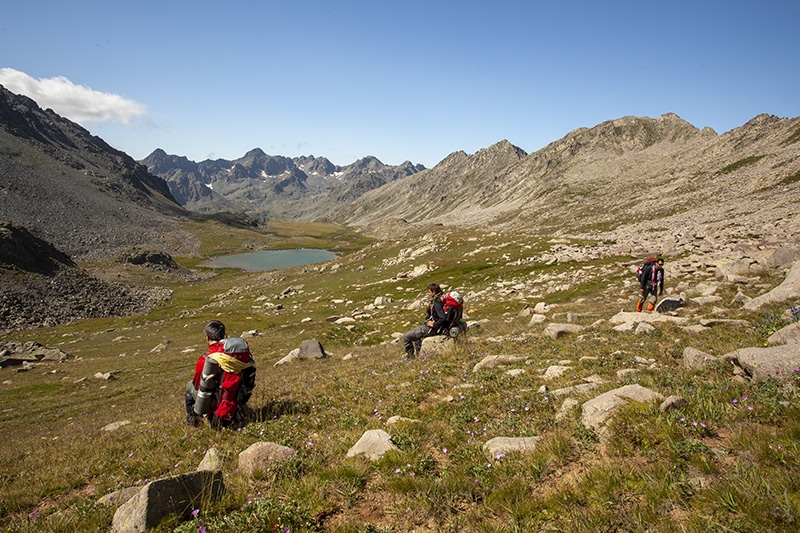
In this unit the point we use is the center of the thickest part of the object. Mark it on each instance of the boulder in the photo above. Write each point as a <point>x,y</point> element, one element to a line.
<point>790,288</point>
<point>178,495</point>
<point>213,460</point>
<point>575,389</point>
<point>556,371</point>
<point>118,497</point>
<point>788,335</point>
<point>499,447</point>
<point>557,330</point>
<point>598,409</point>
<point>113,426</point>
<point>537,319</point>
<point>491,361</point>
<point>695,359</point>
<point>260,455</point>
<point>671,403</point>
<point>291,356</point>
<point>311,349</point>
<point>436,344</point>
<point>627,317</point>
<point>777,362</point>
<point>373,444</point>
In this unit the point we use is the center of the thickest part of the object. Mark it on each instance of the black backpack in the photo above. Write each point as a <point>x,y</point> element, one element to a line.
<point>644,271</point>
<point>246,385</point>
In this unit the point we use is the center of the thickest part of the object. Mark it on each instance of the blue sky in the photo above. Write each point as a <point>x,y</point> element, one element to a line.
<point>413,80</point>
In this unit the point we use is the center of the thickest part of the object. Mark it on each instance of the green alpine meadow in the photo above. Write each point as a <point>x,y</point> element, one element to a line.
<point>725,461</point>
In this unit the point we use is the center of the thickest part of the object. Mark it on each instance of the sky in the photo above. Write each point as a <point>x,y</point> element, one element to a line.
<point>401,80</point>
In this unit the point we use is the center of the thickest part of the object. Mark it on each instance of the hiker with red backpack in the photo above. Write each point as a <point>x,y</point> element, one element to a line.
<point>223,380</point>
<point>651,283</point>
<point>435,319</point>
<point>443,317</point>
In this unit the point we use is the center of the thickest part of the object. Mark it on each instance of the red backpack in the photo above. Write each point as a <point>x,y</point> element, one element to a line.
<point>235,388</point>
<point>453,300</point>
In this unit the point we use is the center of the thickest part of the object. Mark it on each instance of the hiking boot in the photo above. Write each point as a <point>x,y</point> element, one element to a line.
<point>193,420</point>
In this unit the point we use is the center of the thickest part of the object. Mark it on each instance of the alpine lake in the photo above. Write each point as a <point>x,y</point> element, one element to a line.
<point>264,260</point>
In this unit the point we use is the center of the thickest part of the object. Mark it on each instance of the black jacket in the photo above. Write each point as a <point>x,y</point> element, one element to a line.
<point>437,314</point>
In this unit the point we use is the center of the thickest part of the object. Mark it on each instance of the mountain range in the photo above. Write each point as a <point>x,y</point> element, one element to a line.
<point>631,185</point>
<point>266,186</point>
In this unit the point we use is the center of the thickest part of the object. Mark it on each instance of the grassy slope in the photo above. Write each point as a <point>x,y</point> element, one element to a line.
<point>735,470</point>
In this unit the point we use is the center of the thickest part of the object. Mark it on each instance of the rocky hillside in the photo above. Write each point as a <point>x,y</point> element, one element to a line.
<point>41,286</point>
<point>661,184</point>
<point>75,191</point>
<point>267,186</point>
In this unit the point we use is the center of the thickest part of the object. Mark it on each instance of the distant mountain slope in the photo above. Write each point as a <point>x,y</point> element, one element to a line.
<point>75,191</point>
<point>41,286</point>
<point>625,176</point>
<point>267,186</point>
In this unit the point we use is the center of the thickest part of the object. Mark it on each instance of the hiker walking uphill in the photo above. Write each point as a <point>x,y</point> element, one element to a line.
<point>435,320</point>
<point>651,283</point>
<point>223,380</point>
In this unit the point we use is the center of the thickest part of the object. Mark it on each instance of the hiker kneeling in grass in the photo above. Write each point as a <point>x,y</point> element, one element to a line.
<point>223,380</point>
<point>435,320</point>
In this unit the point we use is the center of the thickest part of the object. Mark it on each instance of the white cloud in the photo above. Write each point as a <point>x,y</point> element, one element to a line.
<point>75,102</point>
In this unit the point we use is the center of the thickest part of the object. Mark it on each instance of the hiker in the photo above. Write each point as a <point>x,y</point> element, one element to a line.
<point>223,380</point>
<point>435,321</point>
<point>651,283</point>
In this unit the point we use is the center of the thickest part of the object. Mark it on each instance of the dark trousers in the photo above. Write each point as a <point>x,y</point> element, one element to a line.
<point>412,341</point>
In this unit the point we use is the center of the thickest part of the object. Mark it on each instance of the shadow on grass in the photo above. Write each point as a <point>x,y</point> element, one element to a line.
<point>276,409</point>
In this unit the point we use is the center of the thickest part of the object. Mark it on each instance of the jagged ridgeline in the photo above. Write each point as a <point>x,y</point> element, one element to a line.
<point>622,177</point>
<point>267,186</point>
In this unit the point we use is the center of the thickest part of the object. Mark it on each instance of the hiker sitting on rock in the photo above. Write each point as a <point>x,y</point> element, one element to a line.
<point>223,380</point>
<point>435,321</point>
<point>651,283</point>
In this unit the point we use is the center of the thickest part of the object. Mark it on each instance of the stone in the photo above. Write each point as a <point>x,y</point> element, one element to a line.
<point>175,495</point>
<point>630,316</point>
<point>598,409</point>
<point>436,344</point>
<point>537,319</point>
<point>556,371</point>
<point>499,447</point>
<point>671,403</point>
<point>260,455</point>
<point>118,497</point>
<point>568,405</point>
<point>491,361</point>
<point>311,349</point>
<point>557,330</point>
<point>777,362</point>
<point>373,444</point>
<point>213,460</point>
<point>291,356</point>
<point>575,389</point>
<point>396,419</point>
<point>695,359</point>
<point>115,425</point>
<point>541,308</point>
<point>787,335</point>
<point>790,288</point>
